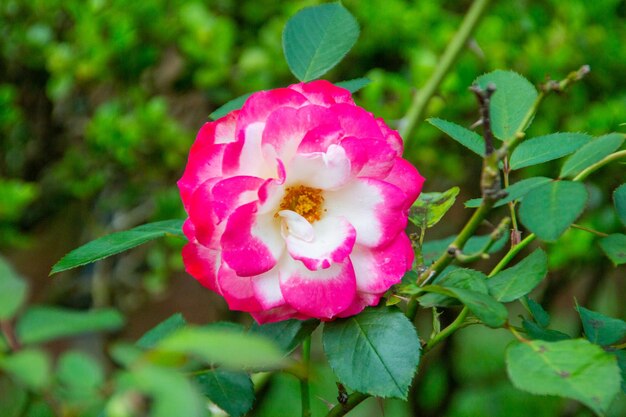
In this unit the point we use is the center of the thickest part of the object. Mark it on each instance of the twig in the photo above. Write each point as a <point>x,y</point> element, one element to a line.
<point>304,382</point>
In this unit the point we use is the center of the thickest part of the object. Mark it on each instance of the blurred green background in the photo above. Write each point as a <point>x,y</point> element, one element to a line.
<point>100,101</point>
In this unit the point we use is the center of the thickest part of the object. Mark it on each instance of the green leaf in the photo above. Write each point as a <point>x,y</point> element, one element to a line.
<point>430,208</point>
<point>468,138</point>
<point>233,392</point>
<point>535,331</point>
<point>600,329</point>
<point>79,371</point>
<point>540,315</point>
<point>14,398</point>
<point>519,280</point>
<point>234,104</point>
<point>287,334</point>
<point>619,198</point>
<point>614,246</point>
<point>569,368</point>
<point>546,148</point>
<point>550,209</point>
<point>13,290</point>
<point>513,99</point>
<point>31,367</point>
<point>162,330</point>
<point>514,191</point>
<point>316,38</point>
<point>483,306</point>
<point>354,85</point>
<point>118,242</point>
<point>171,393</point>
<point>42,324</point>
<point>375,352</point>
<point>591,153</point>
<point>467,279</point>
<point>224,347</point>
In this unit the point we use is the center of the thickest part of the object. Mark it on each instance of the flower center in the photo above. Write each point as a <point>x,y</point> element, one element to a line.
<point>305,201</point>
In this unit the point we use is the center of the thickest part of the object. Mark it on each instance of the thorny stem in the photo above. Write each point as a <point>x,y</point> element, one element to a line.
<point>304,382</point>
<point>449,57</point>
<point>353,400</point>
<point>483,252</point>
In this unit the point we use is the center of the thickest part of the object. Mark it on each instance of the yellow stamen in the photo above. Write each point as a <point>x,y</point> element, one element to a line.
<point>305,201</point>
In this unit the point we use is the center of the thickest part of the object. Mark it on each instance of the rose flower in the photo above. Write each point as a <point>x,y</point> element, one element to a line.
<point>297,205</point>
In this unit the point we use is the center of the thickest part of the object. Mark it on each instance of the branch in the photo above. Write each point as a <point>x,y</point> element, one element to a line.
<point>449,57</point>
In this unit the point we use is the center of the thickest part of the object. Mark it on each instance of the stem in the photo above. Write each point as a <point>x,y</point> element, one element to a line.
<point>353,400</point>
<point>589,170</point>
<point>586,229</point>
<point>450,55</point>
<point>304,382</point>
<point>511,254</point>
<point>458,323</point>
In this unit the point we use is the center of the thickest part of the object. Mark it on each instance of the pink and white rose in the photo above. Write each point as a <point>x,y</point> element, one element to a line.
<point>297,205</point>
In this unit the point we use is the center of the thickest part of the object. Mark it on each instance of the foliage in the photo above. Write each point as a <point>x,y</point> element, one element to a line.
<point>120,94</point>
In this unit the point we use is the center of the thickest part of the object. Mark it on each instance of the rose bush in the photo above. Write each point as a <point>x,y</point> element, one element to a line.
<point>297,205</point>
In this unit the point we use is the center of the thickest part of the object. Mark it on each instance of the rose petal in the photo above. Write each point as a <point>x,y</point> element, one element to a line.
<point>377,270</point>
<point>332,241</point>
<point>323,170</point>
<point>321,294</point>
<point>285,312</point>
<point>369,157</point>
<point>361,301</point>
<point>251,243</point>
<point>202,263</point>
<point>375,208</point>
<point>406,177</point>
<point>323,93</point>
<point>267,289</point>
<point>237,291</point>
<point>233,192</point>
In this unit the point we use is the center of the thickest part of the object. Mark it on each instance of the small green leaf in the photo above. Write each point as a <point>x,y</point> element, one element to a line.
<point>13,290</point>
<point>118,242</point>
<point>514,192</point>
<point>513,99</point>
<point>468,138</point>
<point>430,208</point>
<point>224,347</point>
<point>619,198</point>
<point>375,352</point>
<point>483,306</point>
<point>614,246</point>
<point>287,334</point>
<point>354,85</point>
<point>233,392</point>
<point>569,368</point>
<point>546,148</point>
<point>535,331</point>
<point>42,324</point>
<point>467,279</point>
<point>550,209</point>
<point>234,104</point>
<point>600,329</point>
<point>162,330</point>
<point>591,153</point>
<point>317,38</point>
<point>79,371</point>
<point>540,315</point>
<point>519,280</point>
<point>31,367</point>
